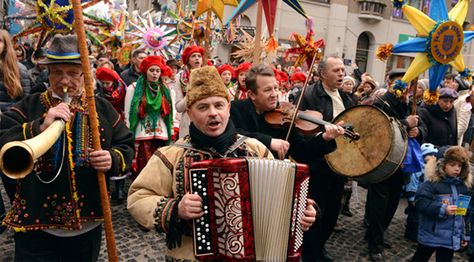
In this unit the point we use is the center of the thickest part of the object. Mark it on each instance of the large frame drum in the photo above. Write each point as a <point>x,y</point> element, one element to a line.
<point>378,153</point>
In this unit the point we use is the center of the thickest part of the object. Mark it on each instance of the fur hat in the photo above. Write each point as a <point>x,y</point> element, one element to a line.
<point>62,50</point>
<point>188,51</point>
<point>205,82</point>
<point>435,170</point>
<point>457,153</point>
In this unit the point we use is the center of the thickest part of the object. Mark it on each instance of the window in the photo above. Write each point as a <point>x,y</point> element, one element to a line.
<point>423,5</point>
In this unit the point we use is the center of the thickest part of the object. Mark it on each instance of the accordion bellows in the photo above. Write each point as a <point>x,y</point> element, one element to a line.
<point>252,209</point>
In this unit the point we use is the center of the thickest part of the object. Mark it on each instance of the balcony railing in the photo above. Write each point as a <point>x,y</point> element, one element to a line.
<point>371,10</point>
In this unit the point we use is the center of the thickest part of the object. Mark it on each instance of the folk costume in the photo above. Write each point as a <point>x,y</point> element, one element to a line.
<point>181,88</point>
<point>58,204</point>
<point>230,86</point>
<point>114,94</point>
<point>240,90</point>
<point>155,194</point>
<point>149,112</point>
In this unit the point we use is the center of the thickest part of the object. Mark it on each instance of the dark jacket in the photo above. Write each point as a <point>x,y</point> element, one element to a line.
<point>315,98</point>
<point>441,126</point>
<point>72,197</point>
<point>436,228</point>
<point>5,100</point>
<point>249,123</point>
<point>129,75</point>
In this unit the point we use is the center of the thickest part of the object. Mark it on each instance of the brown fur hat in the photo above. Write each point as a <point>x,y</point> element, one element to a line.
<point>205,82</point>
<point>435,171</point>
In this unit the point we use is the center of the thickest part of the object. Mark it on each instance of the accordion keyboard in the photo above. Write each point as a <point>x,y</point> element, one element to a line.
<point>202,225</point>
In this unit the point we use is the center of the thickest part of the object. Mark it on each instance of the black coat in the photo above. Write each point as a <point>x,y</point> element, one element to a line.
<point>441,126</point>
<point>248,123</point>
<point>315,98</point>
<point>129,75</point>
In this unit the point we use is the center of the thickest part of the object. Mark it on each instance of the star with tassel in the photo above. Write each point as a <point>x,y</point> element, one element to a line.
<point>439,42</point>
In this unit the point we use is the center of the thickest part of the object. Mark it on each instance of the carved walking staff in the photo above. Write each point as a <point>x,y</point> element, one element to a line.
<point>94,126</point>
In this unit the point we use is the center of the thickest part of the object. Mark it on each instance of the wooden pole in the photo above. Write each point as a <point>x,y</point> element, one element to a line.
<point>258,34</point>
<point>94,126</point>
<point>414,87</point>
<point>207,40</point>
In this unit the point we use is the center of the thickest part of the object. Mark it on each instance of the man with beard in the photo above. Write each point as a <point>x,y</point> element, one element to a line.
<point>159,198</point>
<point>326,187</point>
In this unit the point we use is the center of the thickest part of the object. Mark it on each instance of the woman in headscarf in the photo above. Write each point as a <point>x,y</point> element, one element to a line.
<point>192,58</point>
<point>241,72</point>
<point>148,110</point>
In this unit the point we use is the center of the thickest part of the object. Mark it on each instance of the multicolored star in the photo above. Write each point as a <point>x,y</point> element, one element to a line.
<point>439,42</point>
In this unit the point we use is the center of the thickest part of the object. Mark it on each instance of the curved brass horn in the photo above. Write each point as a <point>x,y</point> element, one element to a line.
<point>17,157</point>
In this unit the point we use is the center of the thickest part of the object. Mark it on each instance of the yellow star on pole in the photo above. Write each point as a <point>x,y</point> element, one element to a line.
<point>439,42</point>
<point>216,6</point>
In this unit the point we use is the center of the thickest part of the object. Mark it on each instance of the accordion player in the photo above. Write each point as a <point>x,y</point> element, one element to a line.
<point>252,209</point>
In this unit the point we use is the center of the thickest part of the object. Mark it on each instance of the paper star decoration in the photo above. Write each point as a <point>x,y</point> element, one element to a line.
<point>307,47</point>
<point>439,42</point>
<point>216,6</point>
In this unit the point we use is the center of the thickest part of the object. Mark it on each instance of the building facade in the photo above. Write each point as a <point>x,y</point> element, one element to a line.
<point>352,29</point>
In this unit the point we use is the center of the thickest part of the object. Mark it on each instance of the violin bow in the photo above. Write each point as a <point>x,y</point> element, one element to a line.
<point>300,98</point>
<point>94,126</point>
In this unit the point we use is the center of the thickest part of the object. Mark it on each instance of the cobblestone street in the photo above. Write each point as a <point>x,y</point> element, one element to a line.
<point>133,244</point>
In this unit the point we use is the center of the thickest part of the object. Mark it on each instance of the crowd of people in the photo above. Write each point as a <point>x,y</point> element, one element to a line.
<point>158,116</point>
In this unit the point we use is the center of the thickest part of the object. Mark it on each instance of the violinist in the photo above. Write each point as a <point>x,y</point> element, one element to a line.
<point>326,187</point>
<point>248,117</point>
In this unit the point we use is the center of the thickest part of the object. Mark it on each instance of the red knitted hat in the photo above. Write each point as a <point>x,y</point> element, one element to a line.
<point>226,67</point>
<point>153,60</point>
<point>298,76</point>
<point>244,67</point>
<point>106,74</point>
<point>188,51</point>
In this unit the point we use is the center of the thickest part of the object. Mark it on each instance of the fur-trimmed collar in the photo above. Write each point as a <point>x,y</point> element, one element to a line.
<point>434,172</point>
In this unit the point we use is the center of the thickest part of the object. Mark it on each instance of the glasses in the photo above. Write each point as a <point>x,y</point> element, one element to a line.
<point>59,75</point>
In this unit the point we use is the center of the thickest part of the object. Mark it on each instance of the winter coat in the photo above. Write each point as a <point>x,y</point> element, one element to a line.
<point>436,228</point>
<point>5,100</point>
<point>130,76</point>
<point>441,126</point>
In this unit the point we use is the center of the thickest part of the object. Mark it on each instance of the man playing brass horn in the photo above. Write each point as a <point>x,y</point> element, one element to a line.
<point>56,211</point>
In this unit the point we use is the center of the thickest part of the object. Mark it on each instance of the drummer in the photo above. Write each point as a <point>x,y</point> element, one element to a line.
<point>383,197</point>
<point>326,187</point>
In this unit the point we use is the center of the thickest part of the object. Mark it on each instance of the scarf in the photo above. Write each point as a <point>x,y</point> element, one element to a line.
<point>115,95</point>
<point>145,105</point>
<point>220,144</point>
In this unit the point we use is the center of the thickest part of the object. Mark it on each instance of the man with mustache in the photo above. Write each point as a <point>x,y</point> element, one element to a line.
<point>326,187</point>
<point>248,117</point>
<point>159,197</point>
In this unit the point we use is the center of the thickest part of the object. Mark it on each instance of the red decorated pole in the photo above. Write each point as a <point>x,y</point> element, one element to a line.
<point>94,126</point>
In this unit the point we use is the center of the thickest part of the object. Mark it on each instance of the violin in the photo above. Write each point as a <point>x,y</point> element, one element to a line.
<point>307,122</point>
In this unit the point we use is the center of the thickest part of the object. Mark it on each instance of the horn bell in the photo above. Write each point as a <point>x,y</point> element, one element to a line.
<point>17,158</point>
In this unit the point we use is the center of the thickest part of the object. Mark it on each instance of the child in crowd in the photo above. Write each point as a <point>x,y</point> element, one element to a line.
<point>442,201</point>
<point>428,151</point>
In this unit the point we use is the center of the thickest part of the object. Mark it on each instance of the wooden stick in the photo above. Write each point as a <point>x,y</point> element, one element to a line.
<point>94,126</point>
<point>207,40</point>
<point>300,98</point>
<point>258,34</point>
<point>414,87</point>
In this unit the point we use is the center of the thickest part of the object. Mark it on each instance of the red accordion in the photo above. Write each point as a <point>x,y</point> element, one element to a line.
<point>252,209</point>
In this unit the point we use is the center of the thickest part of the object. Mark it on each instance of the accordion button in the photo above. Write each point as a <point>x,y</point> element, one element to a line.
<point>204,194</point>
<point>208,248</point>
<point>200,248</point>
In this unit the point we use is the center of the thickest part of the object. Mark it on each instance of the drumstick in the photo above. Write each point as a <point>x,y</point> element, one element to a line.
<point>413,87</point>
